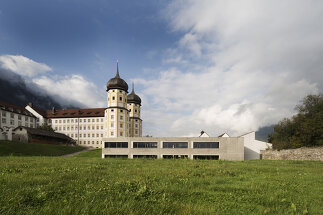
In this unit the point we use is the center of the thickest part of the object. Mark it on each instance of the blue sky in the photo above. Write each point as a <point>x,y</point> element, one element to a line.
<point>218,66</point>
<point>86,37</point>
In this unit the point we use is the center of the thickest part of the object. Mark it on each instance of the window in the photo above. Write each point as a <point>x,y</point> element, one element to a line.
<point>75,135</point>
<point>116,144</point>
<point>68,121</point>
<point>31,119</point>
<point>174,156</point>
<point>112,124</point>
<point>72,120</point>
<point>136,125</point>
<point>88,135</point>
<point>80,135</point>
<point>12,115</point>
<point>72,128</point>
<point>135,110</point>
<point>113,98</point>
<point>19,123</point>
<point>93,120</point>
<point>93,127</point>
<point>145,156</point>
<point>102,127</point>
<point>19,117</point>
<point>97,120</point>
<point>97,127</point>
<point>145,144</point>
<point>55,128</point>
<point>64,121</point>
<point>97,135</point>
<point>121,133</point>
<point>88,120</point>
<point>60,121</point>
<point>4,114</point>
<point>84,127</point>
<point>92,142</point>
<point>121,125</point>
<point>4,120</point>
<point>112,133</point>
<point>121,117</point>
<point>120,98</point>
<point>92,135</point>
<point>175,144</point>
<point>68,128</point>
<point>205,144</point>
<point>76,120</point>
<point>136,132</point>
<point>101,135</point>
<point>112,116</point>
<point>26,124</point>
<point>101,119</point>
<point>89,127</point>
<point>206,157</point>
<point>64,128</point>
<point>71,135</point>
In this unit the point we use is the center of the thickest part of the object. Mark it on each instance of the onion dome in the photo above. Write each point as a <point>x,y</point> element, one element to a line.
<point>133,97</point>
<point>117,82</point>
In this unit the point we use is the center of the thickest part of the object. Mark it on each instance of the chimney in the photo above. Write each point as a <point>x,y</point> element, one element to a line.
<point>53,110</point>
<point>30,104</point>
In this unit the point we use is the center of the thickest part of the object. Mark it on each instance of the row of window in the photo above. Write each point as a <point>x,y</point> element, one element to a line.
<point>88,142</point>
<point>84,135</point>
<point>165,144</point>
<point>121,133</point>
<point>12,122</point>
<point>12,115</point>
<point>76,128</point>
<point>76,120</point>
<point>201,157</point>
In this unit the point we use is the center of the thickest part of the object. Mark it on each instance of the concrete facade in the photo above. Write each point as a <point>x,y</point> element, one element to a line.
<point>231,148</point>
<point>252,147</point>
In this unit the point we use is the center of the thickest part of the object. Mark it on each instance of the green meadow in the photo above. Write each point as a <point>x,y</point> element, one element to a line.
<point>87,184</point>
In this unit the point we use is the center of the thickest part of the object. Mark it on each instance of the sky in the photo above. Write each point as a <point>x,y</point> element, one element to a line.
<point>218,66</point>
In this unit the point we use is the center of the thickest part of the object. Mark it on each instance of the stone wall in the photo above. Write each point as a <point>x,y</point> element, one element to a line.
<point>294,154</point>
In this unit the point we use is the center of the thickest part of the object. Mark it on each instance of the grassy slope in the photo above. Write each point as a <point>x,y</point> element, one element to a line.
<point>31,149</point>
<point>90,154</point>
<point>85,185</point>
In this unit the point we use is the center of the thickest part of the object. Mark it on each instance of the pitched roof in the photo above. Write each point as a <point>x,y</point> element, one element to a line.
<point>14,108</point>
<point>221,135</point>
<point>42,132</point>
<point>75,113</point>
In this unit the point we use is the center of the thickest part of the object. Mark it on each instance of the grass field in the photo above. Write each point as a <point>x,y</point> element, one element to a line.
<point>87,184</point>
<point>32,149</point>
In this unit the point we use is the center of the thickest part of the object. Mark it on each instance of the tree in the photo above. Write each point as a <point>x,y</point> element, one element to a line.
<point>46,127</point>
<point>303,129</point>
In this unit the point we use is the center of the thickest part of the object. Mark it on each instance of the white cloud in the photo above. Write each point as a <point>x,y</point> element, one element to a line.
<point>250,64</point>
<point>73,88</point>
<point>23,65</point>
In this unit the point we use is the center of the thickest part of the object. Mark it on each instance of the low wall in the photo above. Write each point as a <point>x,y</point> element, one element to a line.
<point>294,154</point>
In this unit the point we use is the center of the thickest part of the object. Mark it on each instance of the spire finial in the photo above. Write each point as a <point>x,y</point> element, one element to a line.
<point>117,75</point>
<point>133,87</point>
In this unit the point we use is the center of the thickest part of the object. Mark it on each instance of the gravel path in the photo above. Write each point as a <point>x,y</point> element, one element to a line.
<point>75,153</point>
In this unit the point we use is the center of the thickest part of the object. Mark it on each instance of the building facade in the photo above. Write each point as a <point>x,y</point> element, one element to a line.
<point>211,148</point>
<point>120,118</point>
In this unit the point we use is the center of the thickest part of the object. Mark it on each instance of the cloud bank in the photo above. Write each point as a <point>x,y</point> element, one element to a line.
<point>250,62</point>
<point>69,90</point>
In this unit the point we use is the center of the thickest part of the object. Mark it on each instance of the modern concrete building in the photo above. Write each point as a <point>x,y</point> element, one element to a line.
<point>252,147</point>
<point>212,148</point>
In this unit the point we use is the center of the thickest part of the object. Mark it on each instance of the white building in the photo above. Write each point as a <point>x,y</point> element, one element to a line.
<point>120,118</point>
<point>12,116</point>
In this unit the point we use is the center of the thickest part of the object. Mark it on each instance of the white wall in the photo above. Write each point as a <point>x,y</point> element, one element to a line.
<point>252,146</point>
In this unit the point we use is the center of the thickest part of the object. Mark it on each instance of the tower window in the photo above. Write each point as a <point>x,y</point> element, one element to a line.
<point>121,133</point>
<point>135,110</point>
<point>112,124</point>
<point>120,98</point>
<point>113,98</point>
<point>112,116</point>
<point>121,125</point>
<point>112,133</point>
<point>121,117</point>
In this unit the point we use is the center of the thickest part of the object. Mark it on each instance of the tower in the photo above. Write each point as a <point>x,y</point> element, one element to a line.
<point>134,103</point>
<point>117,116</point>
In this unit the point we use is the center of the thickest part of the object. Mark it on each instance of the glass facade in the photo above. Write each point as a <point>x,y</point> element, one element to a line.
<point>145,156</point>
<point>205,144</point>
<point>116,145</point>
<point>144,144</point>
<point>206,157</point>
<point>175,156</point>
<point>175,144</point>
